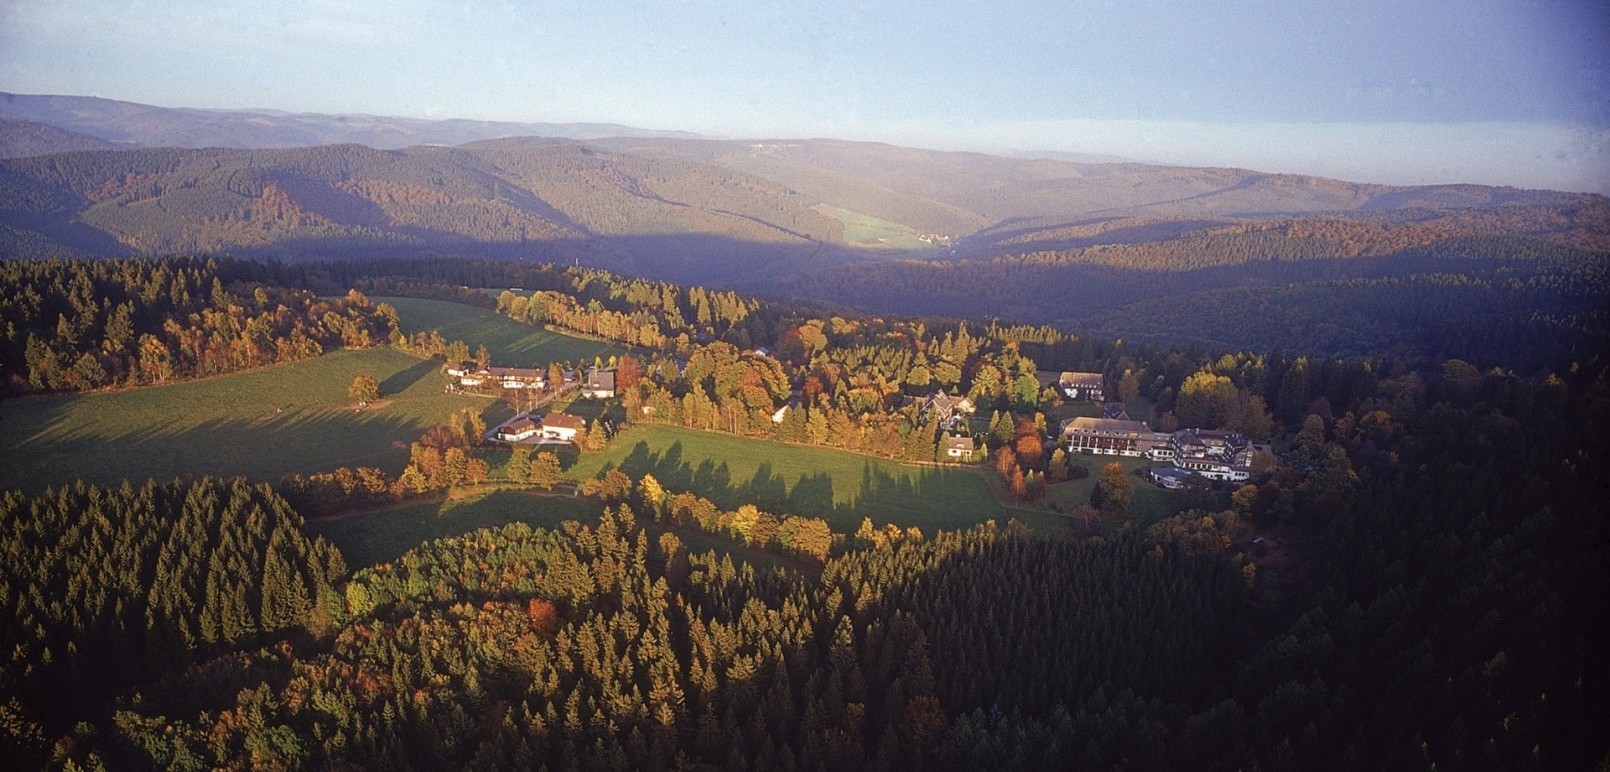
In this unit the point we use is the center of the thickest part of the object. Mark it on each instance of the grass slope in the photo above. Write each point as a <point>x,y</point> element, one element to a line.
<point>510,342</point>
<point>785,479</point>
<point>864,230</point>
<point>381,535</point>
<point>262,424</point>
<point>1151,503</point>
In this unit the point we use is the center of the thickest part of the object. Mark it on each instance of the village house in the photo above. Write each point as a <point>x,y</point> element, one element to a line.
<point>553,427</point>
<point>959,448</point>
<point>562,427</point>
<point>1112,437</point>
<point>471,375</point>
<point>1115,411</point>
<point>468,374</point>
<point>600,384</point>
<point>520,429</point>
<point>517,377</point>
<point>950,410</point>
<point>1086,386</point>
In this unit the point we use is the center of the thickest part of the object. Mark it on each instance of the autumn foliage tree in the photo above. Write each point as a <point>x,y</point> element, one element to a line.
<point>364,389</point>
<point>1114,490</point>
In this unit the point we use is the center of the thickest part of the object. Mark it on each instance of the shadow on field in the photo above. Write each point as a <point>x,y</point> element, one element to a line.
<point>267,444</point>
<point>399,381</point>
<point>879,495</point>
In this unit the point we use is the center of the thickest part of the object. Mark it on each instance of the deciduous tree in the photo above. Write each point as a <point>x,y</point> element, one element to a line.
<point>364,389</point>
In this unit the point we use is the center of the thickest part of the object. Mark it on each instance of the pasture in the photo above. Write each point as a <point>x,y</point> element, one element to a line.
<point>381,535</point>
<point>866,231</point>
<point>509,342</point>
<point>839,487</point>
<point>1150,504</point>
<point>266,423</point>
<point>261,424</point>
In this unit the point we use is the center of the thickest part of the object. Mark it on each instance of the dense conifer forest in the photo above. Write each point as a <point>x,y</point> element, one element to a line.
<point>1416,583</point>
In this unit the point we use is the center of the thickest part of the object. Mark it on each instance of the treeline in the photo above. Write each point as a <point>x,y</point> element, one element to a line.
<point>102,589</point>
<point>74,325</point>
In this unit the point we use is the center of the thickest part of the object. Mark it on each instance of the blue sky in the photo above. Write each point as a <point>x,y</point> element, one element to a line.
<point>1492,91</point>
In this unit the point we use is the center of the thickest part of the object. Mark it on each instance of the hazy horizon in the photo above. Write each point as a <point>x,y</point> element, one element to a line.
<point>1486,92</point>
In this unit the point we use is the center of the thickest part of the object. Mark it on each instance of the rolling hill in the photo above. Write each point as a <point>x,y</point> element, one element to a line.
<point>138,125</point>
<point>881,227</point>
<point>20,138</point>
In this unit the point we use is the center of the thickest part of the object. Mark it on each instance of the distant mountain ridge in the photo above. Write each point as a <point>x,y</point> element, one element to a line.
<point>885,228</point>
<point>20,138</point>
<point>138,125</point>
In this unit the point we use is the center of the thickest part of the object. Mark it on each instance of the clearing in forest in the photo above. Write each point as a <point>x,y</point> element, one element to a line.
<point>261,424</point>
<point>510,343</point>
<point>837,486</point>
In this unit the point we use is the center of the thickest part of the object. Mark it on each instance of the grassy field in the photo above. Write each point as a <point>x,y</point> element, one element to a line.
<point>261,424</point>
<point>864,230</point>
<point>510,343</point>
<point>382,535</point>
<point>1150,504</point>
<point>840,487</point>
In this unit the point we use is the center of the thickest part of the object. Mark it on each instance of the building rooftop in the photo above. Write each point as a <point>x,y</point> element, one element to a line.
<point>564,421</point>
<point>1076,378</point>
<point>959,443</point>
<point>1087,424</point>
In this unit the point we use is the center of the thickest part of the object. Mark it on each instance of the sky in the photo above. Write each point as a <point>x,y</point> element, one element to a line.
<point>1510,92</point>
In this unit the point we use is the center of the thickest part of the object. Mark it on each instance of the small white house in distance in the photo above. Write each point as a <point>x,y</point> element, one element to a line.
<point>562,426</point>
<point>600,384</point>
<point>518,430</point>
<point>960,448</point>
<point>518,377</point>
<point>468,374</point>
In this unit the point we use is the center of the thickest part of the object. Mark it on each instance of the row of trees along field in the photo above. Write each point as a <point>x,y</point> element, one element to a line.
<point>1439,609</point>
<point>72,325</point>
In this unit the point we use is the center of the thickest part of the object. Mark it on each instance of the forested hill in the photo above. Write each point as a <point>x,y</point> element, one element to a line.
<point>687,210</point>
<point>546,199</point>
<point>19,138</point>
<point>883,228</point>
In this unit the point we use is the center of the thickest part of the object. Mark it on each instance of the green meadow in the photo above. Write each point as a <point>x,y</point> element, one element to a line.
<point>267,423</point>
<point>786,479</point>
<point>509,342</point>
<point>864,230</point>
<point>1150,504</point>
<point>261,424</point>
<point>382,535</point>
